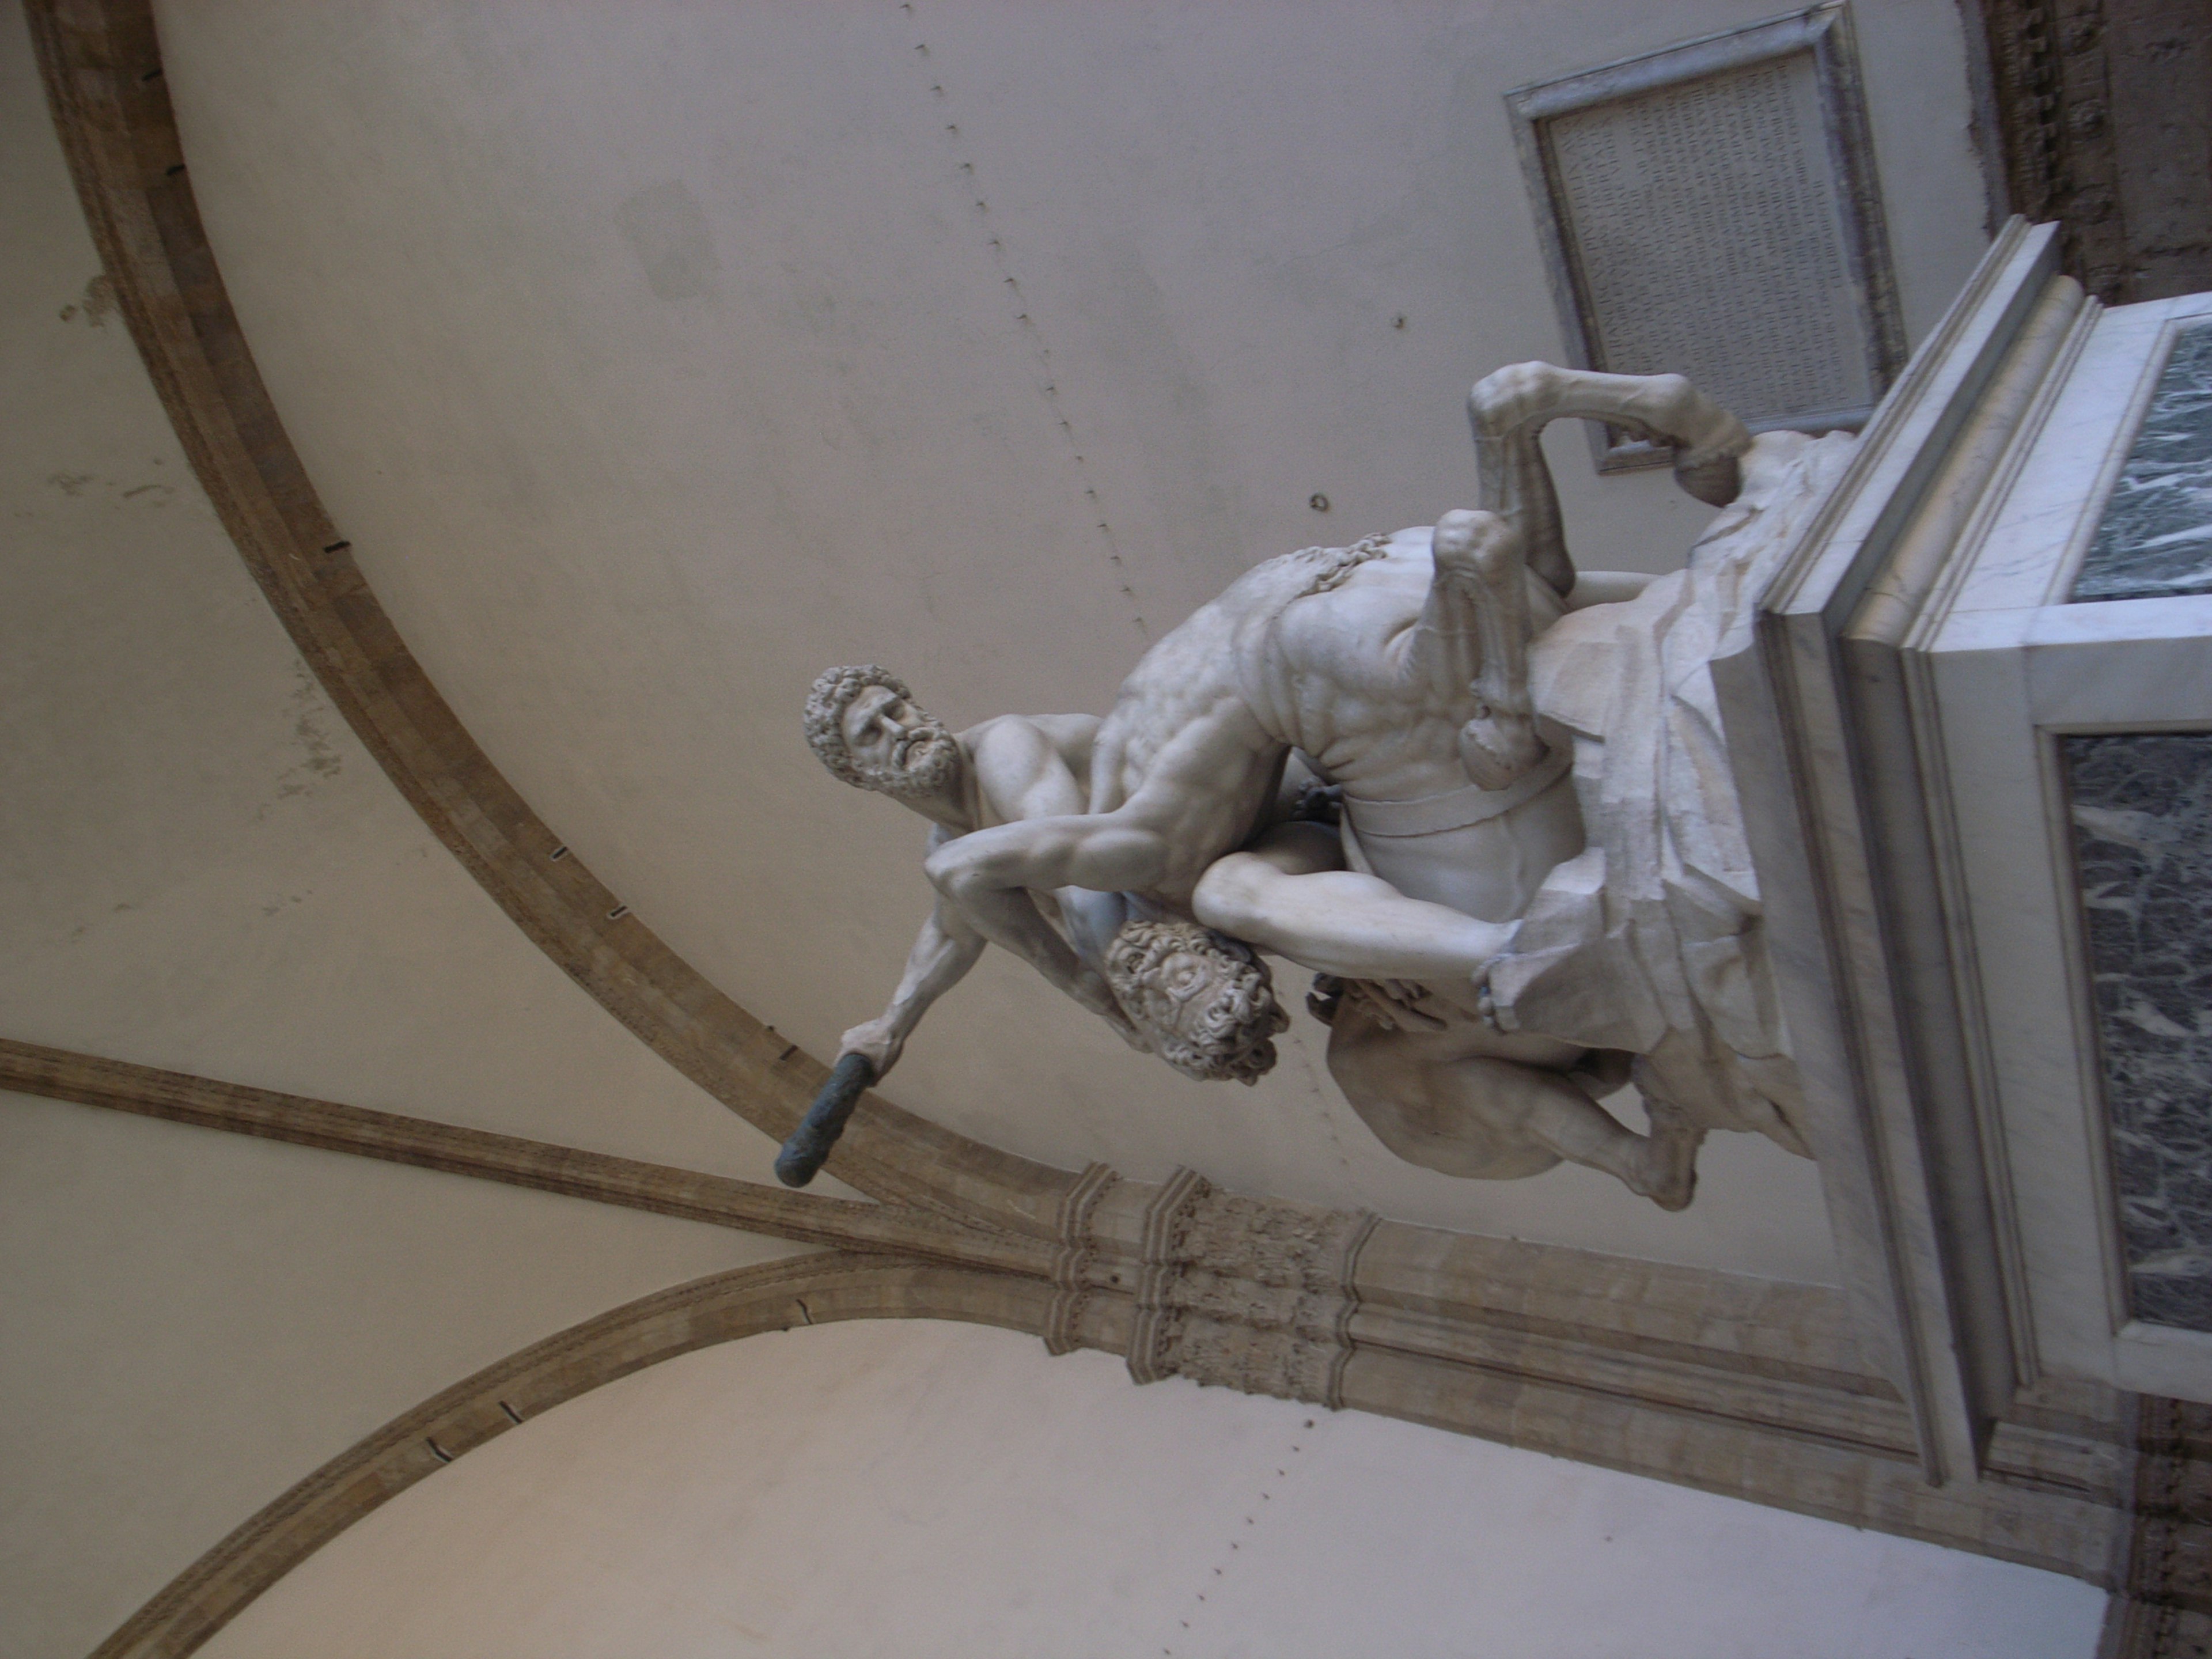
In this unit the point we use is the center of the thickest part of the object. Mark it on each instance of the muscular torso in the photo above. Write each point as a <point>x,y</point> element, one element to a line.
<point>1183,755</point>
<point>1197,741</point>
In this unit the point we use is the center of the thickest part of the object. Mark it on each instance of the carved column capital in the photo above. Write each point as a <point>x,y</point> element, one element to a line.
<point>1071,1262</point>
<point>1253,1294</point>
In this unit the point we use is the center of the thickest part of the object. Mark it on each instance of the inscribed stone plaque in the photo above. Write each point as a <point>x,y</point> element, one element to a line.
<point>1703,221</point>
<point>2143,845</point>
<point>2154,540</point>
<point>1711,211</point>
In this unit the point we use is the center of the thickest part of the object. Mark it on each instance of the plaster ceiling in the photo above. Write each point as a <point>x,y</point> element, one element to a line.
<point>653,358</point>
<point>1019,1505</point>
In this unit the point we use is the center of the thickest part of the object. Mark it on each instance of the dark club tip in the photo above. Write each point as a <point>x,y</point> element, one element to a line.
<point>808,1149</point>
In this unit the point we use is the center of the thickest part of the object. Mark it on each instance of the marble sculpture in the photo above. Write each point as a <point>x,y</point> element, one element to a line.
<point>1484,798</point>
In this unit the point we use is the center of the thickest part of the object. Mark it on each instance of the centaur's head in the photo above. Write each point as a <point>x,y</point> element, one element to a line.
<point>863,724</point>
<point>1203,999</point>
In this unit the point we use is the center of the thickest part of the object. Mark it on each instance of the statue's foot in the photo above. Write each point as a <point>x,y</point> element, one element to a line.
<point>1666,409</point>
<point>1669,1157</point>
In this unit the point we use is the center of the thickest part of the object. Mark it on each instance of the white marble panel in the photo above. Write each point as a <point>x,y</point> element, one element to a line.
<point>2015,672</point>
<point>2035,1029</point>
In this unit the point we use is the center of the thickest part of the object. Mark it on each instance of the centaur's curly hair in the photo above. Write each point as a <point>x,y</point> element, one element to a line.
<point>833,693</point>
<point>1231,1036</point>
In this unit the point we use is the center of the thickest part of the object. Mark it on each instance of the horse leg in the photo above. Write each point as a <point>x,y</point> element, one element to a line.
<point>1434,1102</point>
<point>1510,408</point>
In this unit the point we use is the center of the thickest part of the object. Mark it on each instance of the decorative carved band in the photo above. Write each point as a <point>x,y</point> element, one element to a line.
<point>2164,1606</point>
<point>1154,1333</point>
<point>1071,1263</point>
<point>2100,107</point>
<point>1264,1296</point>
<point>685,1194</point>
<point>1736,1386</point>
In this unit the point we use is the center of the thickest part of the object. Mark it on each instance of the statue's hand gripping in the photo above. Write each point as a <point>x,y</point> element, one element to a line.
<point>1478,613</point>
<point>988,876</point>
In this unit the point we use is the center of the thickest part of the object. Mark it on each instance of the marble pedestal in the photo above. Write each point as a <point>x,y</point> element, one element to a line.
<point>1974,735</point>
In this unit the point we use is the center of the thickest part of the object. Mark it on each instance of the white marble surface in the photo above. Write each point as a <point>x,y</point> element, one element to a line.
<point>1817,717</point>
<point>2033,545</point>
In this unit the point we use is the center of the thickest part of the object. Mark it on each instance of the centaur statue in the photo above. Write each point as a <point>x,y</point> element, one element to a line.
<point>1516,863</point>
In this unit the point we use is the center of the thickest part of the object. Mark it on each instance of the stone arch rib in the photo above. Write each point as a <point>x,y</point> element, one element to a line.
<point>815,1290</point>
<point>101,60</point>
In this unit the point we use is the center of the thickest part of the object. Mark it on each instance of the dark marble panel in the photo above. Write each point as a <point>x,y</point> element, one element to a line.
<point>2142,841</point>
<point>2156,539</point>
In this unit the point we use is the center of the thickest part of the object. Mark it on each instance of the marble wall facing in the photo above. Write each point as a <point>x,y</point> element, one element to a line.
<point>2141,807</point>
<point>2156,539</point>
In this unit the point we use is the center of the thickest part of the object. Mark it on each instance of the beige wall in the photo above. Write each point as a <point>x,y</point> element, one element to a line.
<point>925,1489</point>
<point>200,867</point>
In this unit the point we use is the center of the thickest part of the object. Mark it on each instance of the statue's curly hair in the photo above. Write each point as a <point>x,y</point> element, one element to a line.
<point>1233,1035</point>
<point>833,693</point>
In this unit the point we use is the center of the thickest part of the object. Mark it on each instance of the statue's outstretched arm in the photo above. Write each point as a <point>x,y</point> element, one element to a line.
<point>944,951</point>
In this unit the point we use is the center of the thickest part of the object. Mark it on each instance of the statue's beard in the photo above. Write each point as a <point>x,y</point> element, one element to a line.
<point>921,766</point>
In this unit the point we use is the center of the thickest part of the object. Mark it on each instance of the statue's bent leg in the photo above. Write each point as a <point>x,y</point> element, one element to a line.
<point>1430,1108</point>
<point>1661,1166</point>
<point>1492,1117</point>
<point>1286,895</point>
<point>1507,410</point>
<point>1510,408</point>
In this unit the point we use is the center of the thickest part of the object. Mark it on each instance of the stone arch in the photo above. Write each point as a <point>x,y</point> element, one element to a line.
<point>812,1289</point>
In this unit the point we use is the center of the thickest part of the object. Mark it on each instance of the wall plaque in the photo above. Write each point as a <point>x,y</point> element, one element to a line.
<point>1710,210</point>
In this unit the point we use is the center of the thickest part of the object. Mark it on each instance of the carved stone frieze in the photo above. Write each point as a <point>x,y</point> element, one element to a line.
<point>1072,1261</point>
<point>2163,1606</point>
<point>1254,1294</point>
<point>1739,1386</point>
